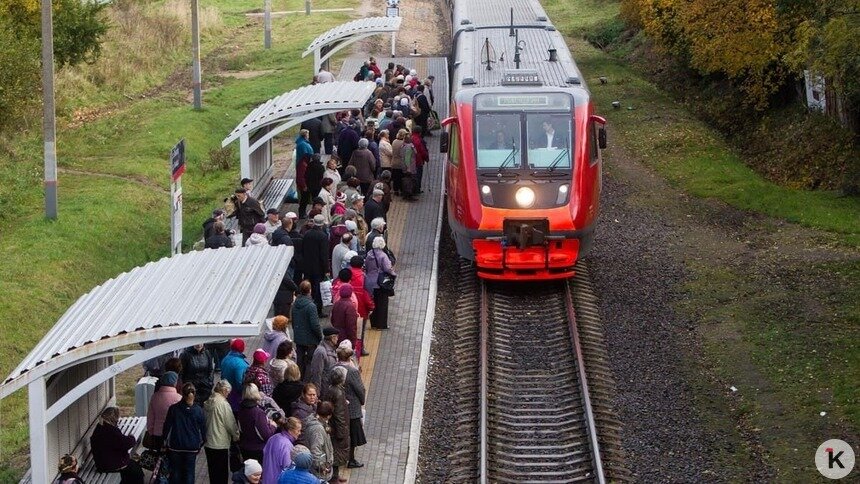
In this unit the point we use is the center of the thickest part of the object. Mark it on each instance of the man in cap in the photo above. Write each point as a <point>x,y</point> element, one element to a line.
<point>324,359</point>
<point>374,207</point>
<point>248,212</point>
<point>315,258</point>
<point>273,222</point>
<point>316,209</point>
<point>247,184</point>
<point>209,225</point>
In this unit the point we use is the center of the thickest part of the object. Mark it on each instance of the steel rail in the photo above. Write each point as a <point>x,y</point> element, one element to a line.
<point>483,372</point>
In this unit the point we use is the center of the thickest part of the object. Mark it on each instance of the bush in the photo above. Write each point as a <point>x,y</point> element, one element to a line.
<point>605,33</point>
<point>19,74</point>
<point>219,159</point>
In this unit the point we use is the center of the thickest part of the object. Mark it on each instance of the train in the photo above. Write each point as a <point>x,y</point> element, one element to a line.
<point>523,144</point>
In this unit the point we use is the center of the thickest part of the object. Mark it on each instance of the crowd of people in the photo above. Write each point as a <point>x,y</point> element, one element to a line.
<point>293,412</point>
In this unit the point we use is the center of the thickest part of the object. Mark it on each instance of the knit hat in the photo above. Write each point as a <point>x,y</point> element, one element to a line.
<point>345,344</point>
<point>346,290</point>
<point>303,461</point>
<point>330,331</point>
<point>341,197</point>
<point>292,215</point>
<point>319,220</point>
<point>238,344</point>
<point>168,379</point>
<point>260,229</point>
<point>260,356</point>
<point>351,225</point>
<point>404,102</point>
<point>345,275</point>
<point>252,467</point>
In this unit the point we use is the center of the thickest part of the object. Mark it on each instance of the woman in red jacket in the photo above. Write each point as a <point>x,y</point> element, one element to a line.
<point>365,301</point>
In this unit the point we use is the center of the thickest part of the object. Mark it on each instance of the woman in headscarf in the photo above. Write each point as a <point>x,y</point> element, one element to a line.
<point>339,422</point>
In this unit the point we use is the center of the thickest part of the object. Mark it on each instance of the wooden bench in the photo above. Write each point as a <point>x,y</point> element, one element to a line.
<point>135,426</point>
<point>269,191</point>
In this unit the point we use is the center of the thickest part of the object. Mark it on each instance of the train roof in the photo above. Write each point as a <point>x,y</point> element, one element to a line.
<point>477,23</point>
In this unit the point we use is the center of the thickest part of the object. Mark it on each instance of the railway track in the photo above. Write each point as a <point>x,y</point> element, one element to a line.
<point>543,410</point>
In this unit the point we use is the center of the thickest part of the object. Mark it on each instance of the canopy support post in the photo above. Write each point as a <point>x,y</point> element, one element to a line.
<point>244,156</point>
<point>39,431</point>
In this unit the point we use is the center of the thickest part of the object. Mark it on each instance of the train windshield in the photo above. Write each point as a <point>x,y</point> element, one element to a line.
<point>549,141</point>
<point>499,140</point>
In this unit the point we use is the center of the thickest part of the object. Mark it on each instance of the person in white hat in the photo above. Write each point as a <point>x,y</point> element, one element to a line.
<point>251,473</point>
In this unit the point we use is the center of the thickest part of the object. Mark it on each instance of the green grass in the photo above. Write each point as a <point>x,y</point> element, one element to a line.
<point>112,222</point>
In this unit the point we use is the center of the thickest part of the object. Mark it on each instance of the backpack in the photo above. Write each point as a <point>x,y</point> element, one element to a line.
<point>357,77</point>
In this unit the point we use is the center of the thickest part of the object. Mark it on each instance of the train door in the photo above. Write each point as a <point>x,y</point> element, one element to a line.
<point>455,195</point>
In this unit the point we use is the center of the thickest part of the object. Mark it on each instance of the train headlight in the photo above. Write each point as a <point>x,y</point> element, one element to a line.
<point>525,197</point>
<point>486,195</point>
<point>562,194</point>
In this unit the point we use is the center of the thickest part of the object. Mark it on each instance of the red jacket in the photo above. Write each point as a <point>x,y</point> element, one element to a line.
<point>421,154</point>
<point>365,302</point>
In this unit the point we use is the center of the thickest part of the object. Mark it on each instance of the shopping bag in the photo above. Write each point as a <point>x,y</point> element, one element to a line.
<point>325,292</point>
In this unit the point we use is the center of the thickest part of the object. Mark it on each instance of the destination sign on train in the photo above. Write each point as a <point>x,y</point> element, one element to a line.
<point>523,100</point>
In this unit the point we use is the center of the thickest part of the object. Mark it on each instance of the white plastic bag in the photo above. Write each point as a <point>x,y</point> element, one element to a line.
<point>325,291</point>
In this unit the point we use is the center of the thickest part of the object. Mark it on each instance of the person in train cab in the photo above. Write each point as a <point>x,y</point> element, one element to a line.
<point>248,212</point>
<point>550,138</point>
<point>110,448</point>
<point>502,142</point>
<point>306,327</point>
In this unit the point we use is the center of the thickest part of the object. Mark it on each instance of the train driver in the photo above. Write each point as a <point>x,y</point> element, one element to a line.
<point>548,138</point>
<point>501,142</point>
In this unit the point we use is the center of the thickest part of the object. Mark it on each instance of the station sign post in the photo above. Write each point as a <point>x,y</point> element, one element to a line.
<point>177,168</point>
<point>393,10</point>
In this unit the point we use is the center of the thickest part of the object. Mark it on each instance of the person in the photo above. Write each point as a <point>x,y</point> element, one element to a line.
<point>384,184</point>
<point>315,175</point>
<point>283,301</point>
<point>290,388</point>
<point>548,139</point>
<point>365,299</point>
<point>314,128</point>
<point>328,200</point>
<point>429,89</point>
<point>165,396</point>
<point>272,338</point>
<point>397,161</point>
<point>365,165</point>
<point>339,251</point>
<point>324,76</point>
<point>422,156</point>
<point>277,454</point>
<point>255,428</point>
<point>355,397</point>
<point>247,184</point>
<point>257,237</point>
<point>306,327</point>
<point>184,434</point>
<point>377,229</point>
<point>339,421</point>
<point>324,359</point>
<point>347,142</point>
<point>219,237</point>
<point>331,172</point>
<point>376,263</point>
<point>110,449</point>
<point>300,474</point>
<point>407,182</point>
<point>248,212</point>
<point>284,355</point>
<point>315,258</point>
<point>272,223</point>
<point>260,373</point>
<point>386,151</point>
<point>198,367</point>
<point>305,405</point>
<point>424,106</point>
<point>209,225</point>
<point>344,314</point>
<point>233,368</point>
<point>375,68</point>
<point>374,208</point>
<point>329,123</point>
<point>500,142</point>
<point>251,473</point>
<point>302,159</point>
<point>316,437</point>
<point>68,467</point>
<point>222,430</point>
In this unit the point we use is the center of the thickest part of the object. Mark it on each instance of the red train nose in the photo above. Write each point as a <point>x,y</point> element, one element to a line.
<point>552,260</point>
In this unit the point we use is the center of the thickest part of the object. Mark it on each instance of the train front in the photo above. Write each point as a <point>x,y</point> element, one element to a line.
<point>523,196</point>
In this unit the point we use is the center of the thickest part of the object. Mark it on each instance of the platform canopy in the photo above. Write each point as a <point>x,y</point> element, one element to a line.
<point>171,304</point>
<point>329,43</point>
<point>292,108</point>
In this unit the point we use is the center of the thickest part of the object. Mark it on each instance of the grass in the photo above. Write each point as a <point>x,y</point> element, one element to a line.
<point>790,348</point>
<point>116,218</point>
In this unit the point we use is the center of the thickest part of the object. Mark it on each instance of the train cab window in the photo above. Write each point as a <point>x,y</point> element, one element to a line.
<point>454,145</point>
<point>498,140</point>
<point>592,141</point>
<point>549,140</point>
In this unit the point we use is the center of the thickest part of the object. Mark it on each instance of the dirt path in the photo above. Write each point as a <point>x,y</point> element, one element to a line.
<point>422,23</point>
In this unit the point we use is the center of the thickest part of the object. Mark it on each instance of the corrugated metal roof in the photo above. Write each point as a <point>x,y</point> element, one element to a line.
<point>339,95</point>
<point>362,26</point>
<point>212,291</point>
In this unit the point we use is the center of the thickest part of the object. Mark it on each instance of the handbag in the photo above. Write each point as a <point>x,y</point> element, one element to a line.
<point>149,459</point>
<point>384,280</point>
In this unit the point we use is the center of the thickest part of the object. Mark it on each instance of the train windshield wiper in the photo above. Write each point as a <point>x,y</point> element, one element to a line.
<point>557,160</point>
<point>509,158</point>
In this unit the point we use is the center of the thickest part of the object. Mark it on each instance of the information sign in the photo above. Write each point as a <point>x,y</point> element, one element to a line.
<point>177,168</point>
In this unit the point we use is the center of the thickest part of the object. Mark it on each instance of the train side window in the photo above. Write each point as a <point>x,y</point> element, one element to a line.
<point>454,145</point>
<point>592,143</point>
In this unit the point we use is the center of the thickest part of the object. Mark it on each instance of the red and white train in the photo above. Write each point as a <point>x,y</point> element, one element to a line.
<point>523,143</point>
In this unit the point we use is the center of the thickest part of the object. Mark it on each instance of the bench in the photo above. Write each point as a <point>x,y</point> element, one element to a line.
<point>271,195</point>
<point>135,426</point>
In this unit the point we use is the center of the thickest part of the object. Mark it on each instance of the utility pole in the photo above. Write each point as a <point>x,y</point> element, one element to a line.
<point>307,7</point>
<point>195,54</point>
<point>267,24</point>
<point>49,124</point>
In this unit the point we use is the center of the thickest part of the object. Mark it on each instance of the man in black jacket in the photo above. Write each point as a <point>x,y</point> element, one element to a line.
<point>248,212</point>
<point>315,134</point>
<point>209,224</point>
<point>424,105</point>
<point>315,258</point>
<point>374,207</point>
<point>314,175</point>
